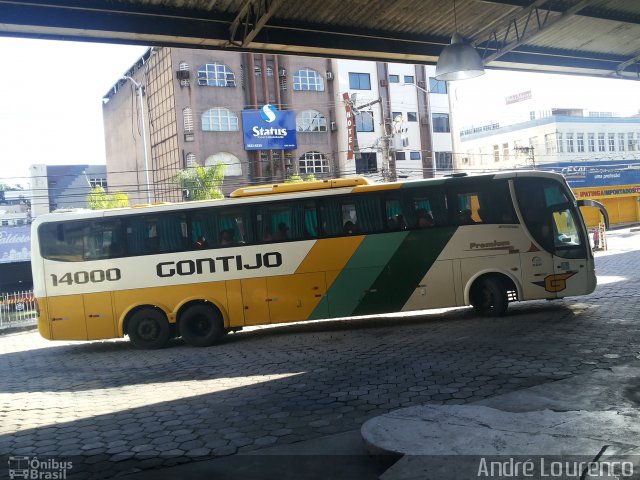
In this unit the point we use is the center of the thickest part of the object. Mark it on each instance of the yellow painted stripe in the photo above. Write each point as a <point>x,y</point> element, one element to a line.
<point>330,254</point>
<point>376,187</point>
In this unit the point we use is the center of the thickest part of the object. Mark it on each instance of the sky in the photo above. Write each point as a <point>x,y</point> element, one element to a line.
<point>51,109</point>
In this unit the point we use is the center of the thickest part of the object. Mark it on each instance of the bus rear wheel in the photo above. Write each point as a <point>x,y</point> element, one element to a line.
<point>148,329</point>
<point>489,297</point>
<point>201,326</point>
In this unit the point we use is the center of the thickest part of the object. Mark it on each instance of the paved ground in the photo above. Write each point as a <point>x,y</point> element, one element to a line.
<point>112,409</point>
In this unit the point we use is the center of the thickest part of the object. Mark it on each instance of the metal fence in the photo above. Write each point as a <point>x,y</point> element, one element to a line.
<point>17,309</point>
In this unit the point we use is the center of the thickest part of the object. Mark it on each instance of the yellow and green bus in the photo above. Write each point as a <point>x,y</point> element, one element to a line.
<point>315,250</point>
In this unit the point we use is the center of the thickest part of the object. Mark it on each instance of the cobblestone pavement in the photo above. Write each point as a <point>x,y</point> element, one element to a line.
<point>112,409</point>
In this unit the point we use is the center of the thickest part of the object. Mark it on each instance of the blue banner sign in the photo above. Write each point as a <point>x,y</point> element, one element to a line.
<point>607,173</point>
<point>269,129</point>
<point>15,244</point>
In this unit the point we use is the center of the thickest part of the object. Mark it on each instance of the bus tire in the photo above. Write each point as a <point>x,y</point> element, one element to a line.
<point>201,325</point>
<point>148,329</point>
<point>489,297</point>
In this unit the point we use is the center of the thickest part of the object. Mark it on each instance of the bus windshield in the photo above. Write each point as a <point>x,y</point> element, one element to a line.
<point>551,216</point>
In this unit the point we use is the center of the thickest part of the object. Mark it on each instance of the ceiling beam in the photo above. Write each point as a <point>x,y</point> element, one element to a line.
<point>541,20</point>
<point>253,15</point>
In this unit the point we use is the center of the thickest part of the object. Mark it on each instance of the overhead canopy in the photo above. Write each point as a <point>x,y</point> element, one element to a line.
<point>589,37</point>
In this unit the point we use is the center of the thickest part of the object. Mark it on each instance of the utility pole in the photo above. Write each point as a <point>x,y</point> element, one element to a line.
<point>139,90</point>
<point>350,101</point>
<point>530,154</point>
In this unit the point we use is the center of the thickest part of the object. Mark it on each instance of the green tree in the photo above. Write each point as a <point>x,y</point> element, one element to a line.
<point>295,178</point>
<point>202,183</point>
<point>99,199</point>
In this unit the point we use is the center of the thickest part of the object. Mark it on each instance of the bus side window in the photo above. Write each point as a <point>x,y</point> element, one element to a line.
<point>234,227</point>
<point>425,207</point>
<point>468,206</point>
<point>104,240</point>
<point>395,216</point>
<point>62,241</point>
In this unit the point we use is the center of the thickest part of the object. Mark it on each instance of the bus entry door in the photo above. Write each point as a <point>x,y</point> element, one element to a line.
<point>571,262</point>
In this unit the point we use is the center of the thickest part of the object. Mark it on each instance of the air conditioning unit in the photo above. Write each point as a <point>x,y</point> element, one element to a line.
<point>383,82</point>
<point>329,75</point>
<point>334,126</point>
<point>182,74</point>
<point>282,72</point>
<point>398,142</point>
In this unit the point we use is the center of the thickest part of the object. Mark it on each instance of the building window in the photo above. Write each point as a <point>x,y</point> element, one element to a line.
<point>532,115</point>
<point>621,144</point>
<point>307,79</point>
<point>441,122</point>
<point>364,122</point>
<point>269,71</point>
<point>559,144</point>
<point>219,120</point>
<point>549,143</point>
<point>257,71</point>
<point>580,139</point>
<point>496,153</point>
<point>437,86</point>
<point>190,160</point>
<point>187,117</point>
<point>412,117</point>
<point>313,162</point>
<point>517,148</point>
<point>631,141</point>
<point>396,117</point>
<point>311,121</point>
<point>184,67</point>
<point>216,75</point>
<point>444,161</point>
<point>408,79</point>
<point>400,156</point>
<point>359,81</point>
<point>505,152</point>
<point>394,78</point>
<point>601,145</point>
<point>592,142</point>
<point>232,166</point>
<point>98,182</point>
<point>415,156</point>
<point>570,146</point>
<point>612,142</point>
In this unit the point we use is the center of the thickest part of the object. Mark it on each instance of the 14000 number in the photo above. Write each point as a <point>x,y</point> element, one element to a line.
<point>94,276</point>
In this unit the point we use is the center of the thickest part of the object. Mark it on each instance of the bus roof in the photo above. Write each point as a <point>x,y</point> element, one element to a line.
<point>288,191</point>
<point>298,186</point>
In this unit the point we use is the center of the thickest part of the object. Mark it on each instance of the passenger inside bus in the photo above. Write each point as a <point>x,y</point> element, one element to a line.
<point>201,243</point>
<point>464,217</point>
<point>425,219</point>
<point>226,238</point>
<point>282,233</point>
<point>350,228</point>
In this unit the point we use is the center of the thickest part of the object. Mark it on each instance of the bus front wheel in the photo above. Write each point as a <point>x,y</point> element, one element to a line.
<point>148,329</point>
<point>489,297</point>
<point>201,326</point>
